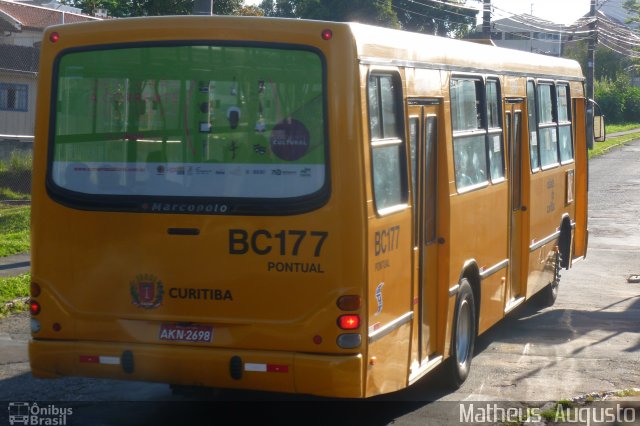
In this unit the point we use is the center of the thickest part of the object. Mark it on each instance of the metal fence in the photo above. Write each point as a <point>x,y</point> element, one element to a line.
<point>18,83</point>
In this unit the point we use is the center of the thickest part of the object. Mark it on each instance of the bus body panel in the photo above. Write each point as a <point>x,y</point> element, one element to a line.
<point>259,284</point>
<point>329,375</point>
<point>581,180</point>
<point>548,201</point>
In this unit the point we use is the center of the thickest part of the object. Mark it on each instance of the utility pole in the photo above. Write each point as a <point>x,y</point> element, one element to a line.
<point>486,19</point>
<point>591,60</point>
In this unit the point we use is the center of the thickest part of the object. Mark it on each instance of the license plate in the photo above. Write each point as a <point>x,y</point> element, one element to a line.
<point>193,333</point>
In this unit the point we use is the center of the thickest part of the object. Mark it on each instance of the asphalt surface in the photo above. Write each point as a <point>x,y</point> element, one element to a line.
<point>15,265</point>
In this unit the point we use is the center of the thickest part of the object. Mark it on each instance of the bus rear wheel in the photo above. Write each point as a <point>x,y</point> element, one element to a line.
<point>463,335</point>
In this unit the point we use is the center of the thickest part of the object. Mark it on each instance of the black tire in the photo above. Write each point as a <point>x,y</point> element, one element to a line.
<point>463,335</point>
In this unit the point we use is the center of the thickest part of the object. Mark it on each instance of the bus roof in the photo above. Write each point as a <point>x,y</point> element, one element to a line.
<point>375,44</point>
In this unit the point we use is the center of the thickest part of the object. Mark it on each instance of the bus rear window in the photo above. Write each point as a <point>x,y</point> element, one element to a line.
<point>233,122</point>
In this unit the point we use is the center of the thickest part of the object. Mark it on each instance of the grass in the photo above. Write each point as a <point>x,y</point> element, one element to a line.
<point>628,392</point>
<point>14,230</point>
<point>19,161</point>
<point>600,148</point>
<point>8,194</point>
<point>15,176</point>
<point>614,128</point>
<point>13,294</point>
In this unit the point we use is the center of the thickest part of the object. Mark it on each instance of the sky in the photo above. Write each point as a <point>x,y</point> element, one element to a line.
<point>559,11</point>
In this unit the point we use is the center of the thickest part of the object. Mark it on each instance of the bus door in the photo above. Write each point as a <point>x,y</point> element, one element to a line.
<point>423,140</point>
<point>514,108</point>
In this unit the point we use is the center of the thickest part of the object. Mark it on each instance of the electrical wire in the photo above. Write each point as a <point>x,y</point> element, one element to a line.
<point>609,34</point>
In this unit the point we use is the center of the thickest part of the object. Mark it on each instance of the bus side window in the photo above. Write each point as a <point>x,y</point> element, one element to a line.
<point>547,125</point>
<point>494,136</point>
<point>564,123</point>
<point>533,126</point>
<point>390,184</point>
<point>469,132</point>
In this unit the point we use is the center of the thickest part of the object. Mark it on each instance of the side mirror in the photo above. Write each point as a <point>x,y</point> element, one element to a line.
<point>599,129</point>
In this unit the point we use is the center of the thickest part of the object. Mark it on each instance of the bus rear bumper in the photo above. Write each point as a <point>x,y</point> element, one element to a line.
<point>324,375</point>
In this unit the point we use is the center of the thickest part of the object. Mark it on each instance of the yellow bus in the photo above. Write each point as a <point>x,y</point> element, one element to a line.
<point>294,206</point>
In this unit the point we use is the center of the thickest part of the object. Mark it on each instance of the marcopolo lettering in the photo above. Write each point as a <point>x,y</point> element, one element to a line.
<point>189,208</point>
<point>200,294</point>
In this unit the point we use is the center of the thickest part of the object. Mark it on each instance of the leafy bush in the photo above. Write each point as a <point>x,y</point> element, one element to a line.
<point>15,173</point>
<point>619,100</point>
<point>610,97</point>
<point>632,105</point>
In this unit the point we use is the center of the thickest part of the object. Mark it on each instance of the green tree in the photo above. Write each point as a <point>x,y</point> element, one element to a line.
<point>114,8</point>
<point>129,8</point>
<point>425,16</point>
<point>633,9</point>
<point>365,11</point>
<point>250,11</point>
<point>279,8</point>
<point>435,18</point>
<point>608,64</point>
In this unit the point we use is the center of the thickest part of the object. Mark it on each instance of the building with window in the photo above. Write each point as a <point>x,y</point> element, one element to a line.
<point>528,33</point>
<point>18,82</point>
<point>21,27</point>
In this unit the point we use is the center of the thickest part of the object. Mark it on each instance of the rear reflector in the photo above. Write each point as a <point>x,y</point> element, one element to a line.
<point>35,326</point>
<point>349,341</point>
<point>98,359</point>
<point>266,368</point>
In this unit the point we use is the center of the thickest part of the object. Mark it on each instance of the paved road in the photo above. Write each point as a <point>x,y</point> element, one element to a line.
<point>14,265</point>
<point>589,341</point>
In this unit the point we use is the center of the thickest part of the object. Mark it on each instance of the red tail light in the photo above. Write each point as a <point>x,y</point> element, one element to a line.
<point>349,322</point>
<point>34,307</point>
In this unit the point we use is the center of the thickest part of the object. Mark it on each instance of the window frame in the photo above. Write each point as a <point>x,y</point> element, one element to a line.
<point>493,131</point>
<point>382,142</point>
<point>548,125</point>
<point>190,205</point>
<point>21,97</point>
<point>568,123</point>
<point>482,130</point>
<point>535,125</point>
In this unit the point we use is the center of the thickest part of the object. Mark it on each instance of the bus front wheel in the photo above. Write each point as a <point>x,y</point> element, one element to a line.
<point>463,335</point>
